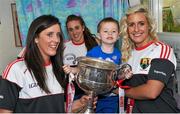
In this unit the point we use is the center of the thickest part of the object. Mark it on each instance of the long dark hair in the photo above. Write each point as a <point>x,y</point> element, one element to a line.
<point>89,38</point>
<point>33,57</point>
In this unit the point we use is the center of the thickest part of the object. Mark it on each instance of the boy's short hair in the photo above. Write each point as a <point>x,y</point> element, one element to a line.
<point>107,19</point>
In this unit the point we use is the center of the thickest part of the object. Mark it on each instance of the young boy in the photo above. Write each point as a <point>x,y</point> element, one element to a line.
<point>108,31</point>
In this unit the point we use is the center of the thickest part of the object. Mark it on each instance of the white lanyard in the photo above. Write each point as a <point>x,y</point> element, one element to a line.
<point>70,93</point>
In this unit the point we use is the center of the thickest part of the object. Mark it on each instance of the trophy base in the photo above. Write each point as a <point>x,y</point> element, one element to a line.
<point>88,111</point>
<point>84,110</point>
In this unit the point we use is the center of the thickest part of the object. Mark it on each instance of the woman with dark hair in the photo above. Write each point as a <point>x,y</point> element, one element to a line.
<point>81,41</point>
<point>84,33</point>
<point>36,82</point>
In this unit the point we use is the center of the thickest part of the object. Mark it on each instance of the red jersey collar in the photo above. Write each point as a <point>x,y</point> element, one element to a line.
<point>77,43</point>
<point>47,64</point>
<point>145,46</point>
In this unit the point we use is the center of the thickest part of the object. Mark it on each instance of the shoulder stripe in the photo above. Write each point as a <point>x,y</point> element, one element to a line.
<point>162,49</point>
<point>6,71</point>
<point>165,50</point>
<point>168,52</point>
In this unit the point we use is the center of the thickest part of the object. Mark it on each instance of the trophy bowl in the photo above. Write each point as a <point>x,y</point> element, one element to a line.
<point>95,77</point>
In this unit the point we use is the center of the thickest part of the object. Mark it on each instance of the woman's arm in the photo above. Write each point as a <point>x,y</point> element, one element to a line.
<point>6,111</point>
<point>149,90</point>
<point>160,72</point>
<point>80,104</point>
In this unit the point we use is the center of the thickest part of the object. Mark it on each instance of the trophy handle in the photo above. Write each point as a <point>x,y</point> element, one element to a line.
<point>114,75</point>
<point>124,71</point>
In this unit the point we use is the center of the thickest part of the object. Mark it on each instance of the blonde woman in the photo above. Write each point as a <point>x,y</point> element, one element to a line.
<point>153,63</point>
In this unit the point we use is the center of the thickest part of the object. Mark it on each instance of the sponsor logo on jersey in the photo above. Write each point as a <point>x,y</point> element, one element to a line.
<point>145,62</point>
<point>70,59</point>
<point>160,72</point>
<point>32,85</point>
<point>114,57</point>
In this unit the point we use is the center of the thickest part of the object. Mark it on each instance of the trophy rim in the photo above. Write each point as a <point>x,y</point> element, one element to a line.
<point>96,63</point>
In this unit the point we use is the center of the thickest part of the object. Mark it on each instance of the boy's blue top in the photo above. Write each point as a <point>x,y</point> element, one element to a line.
<point>97,52</point>
<point>107,103</point>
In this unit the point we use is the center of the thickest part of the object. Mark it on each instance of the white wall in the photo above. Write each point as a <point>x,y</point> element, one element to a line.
<point>8,50</point>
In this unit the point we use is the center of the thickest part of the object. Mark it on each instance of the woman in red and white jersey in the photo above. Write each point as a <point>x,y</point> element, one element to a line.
<point>153,63</point>
<point>36,83</point>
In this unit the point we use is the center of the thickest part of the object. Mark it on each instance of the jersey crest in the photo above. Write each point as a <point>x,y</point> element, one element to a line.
<point>145,62</point>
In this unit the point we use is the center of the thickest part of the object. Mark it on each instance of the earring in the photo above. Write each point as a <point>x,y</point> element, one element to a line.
<point>36,41</point>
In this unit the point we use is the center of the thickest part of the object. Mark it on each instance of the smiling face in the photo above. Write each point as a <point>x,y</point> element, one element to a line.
<point>48,41</point>
<point>75,30</point>
<point>138,29</point>
<point>109,33</point>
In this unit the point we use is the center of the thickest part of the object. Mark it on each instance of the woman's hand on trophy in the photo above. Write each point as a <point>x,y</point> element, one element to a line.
<point>68,69</point>
<point>128,73</point>
<point>85,98</point>
<point>95,102</point>
<point>80,105</point>
<point>125,72</point>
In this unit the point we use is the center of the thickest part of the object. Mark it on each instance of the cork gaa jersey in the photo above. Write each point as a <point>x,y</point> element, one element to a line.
<point>20,92</point>
<point>141,57</point>
<point>72,51</point>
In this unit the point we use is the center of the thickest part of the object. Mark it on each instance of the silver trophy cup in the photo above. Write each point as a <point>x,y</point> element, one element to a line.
<point>96,76</point>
